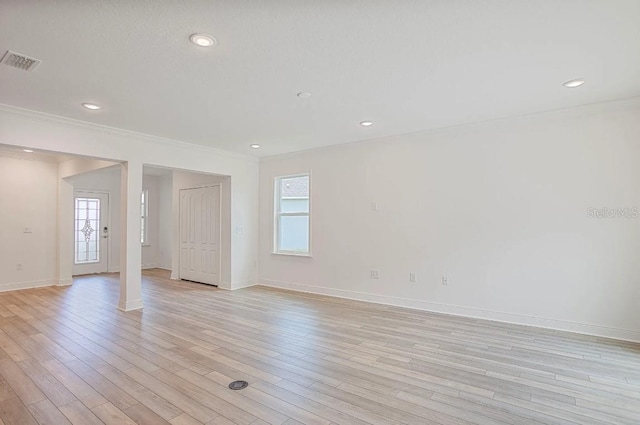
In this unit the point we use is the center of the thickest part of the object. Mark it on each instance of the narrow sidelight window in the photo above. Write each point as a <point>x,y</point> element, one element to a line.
<point>144,204</point>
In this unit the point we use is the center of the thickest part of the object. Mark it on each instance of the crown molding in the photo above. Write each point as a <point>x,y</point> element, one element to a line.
<point>28,114</point>
<point>627,102</point>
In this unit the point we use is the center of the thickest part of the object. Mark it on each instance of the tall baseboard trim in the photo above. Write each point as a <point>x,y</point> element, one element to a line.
<point>243,284</point>
<point>65,282</point>
<point>15,286</point>
<point>130,305</point>
<point>496,316</point>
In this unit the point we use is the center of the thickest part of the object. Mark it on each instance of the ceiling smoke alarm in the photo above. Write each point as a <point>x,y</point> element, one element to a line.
<point>20,61</point>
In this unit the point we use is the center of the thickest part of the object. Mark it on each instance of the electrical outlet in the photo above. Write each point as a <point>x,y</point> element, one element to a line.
<point>19,266</point>
<point>375,274</point>
<point>413,277</point>
<point>445,280</point>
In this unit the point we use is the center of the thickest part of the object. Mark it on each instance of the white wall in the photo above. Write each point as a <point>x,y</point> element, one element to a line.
<point>105,180</point>
<point>165,221</point>
<point>28,198</point>
<point>19,127</point>
<point>499,208</point>
<point>151,249</point>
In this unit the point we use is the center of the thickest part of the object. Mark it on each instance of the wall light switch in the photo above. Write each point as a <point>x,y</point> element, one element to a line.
<point>26,230</point>
<point>375,274</point>
<point>239,230</point>
<point>413,277</point>
<point>374,206</point>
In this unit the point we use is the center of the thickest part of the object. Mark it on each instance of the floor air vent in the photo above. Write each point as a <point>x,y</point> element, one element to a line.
<point>20,61</point>
<point>238,385</point>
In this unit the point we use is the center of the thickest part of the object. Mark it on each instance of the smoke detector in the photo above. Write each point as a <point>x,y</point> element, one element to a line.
<point>20,61</point>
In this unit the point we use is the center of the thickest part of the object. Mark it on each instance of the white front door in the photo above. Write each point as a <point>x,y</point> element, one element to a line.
<point>91,232</point>
<point>200,234</point>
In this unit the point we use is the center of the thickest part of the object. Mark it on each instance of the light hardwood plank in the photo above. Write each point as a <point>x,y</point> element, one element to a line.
<point>67,355</point>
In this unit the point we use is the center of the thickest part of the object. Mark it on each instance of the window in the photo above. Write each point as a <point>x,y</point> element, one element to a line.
<point>291,234</point>
<point>87,230</point>
<point>144,209</point>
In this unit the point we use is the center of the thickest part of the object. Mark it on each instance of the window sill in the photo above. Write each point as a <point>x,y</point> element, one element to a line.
<point>292,254</point>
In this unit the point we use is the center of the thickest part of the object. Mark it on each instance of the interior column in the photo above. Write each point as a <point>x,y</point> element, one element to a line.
<point>130,247</point>
<point>65,232</point>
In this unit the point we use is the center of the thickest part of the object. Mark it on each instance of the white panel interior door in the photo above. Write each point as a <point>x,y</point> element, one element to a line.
<point>91,232</point>
<point>200,234</point>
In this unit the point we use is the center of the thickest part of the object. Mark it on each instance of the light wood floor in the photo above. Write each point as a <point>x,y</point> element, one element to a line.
<point>67,355</point>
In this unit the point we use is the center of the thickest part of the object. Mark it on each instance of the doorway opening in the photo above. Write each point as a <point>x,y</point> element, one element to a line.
<point>91,232</point>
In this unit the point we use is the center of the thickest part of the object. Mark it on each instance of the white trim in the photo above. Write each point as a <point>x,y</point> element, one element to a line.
<point>243,284</point>
<point>144,216</point>
<point>130,305</point>
<point>623,103</point>
<point>293,253</point>
<point>275,231</point>
<point>143,267</point>
<point>496,316</point>
<point>113,131</point>
<point>234,286</point>
<point>14,286</point>
<point>219,186</point>
<point>107,255</point>
<point>65,282</point>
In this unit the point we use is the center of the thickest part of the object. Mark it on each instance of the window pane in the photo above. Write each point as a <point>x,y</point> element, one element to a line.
<point>294,187</point>
<point>294,234</point>
<point>87,229</point>
<point>144,213</point>
<point>294,205</point>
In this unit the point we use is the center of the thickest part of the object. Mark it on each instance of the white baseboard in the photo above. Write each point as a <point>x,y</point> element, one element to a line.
<point>144,267</point>
<point>519,319</point>
<point>14,286</point>
<point>130,305</point>
<point>243,284</point>
<point>65,281</point>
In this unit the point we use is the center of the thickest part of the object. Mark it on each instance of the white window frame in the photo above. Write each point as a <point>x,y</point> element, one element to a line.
<point>277,214</point>
<point>144,216</point>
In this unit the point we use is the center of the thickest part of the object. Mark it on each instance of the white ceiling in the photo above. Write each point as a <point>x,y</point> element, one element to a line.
<point>405,65</point>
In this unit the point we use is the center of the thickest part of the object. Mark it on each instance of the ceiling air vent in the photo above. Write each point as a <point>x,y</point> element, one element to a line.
<point>19,61</point>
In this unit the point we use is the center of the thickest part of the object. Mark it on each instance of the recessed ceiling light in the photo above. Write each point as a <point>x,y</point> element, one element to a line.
<point>366,123</point>
<point>255,146</point>
<point>203,40</point>
<point>574,83</point>
<point>304,95</point>
<point>92,106</point>
<point>28,150</point>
